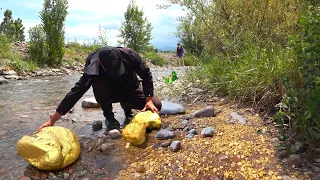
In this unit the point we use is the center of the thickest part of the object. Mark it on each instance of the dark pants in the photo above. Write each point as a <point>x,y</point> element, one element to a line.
<point>129,99</point>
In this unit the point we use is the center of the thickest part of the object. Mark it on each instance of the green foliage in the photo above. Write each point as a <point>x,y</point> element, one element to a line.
<point>12,28</point>
<point>4,46</point>
<point>155,58</point>
<point>102,36</point>
<point>18,64</point>
<point>135,30</point>
<point>38,47</point>
<point>53,17</point>
<point>302,100</point>
<point>190,60</point>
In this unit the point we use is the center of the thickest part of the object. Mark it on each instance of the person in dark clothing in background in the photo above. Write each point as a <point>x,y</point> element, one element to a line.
<point>180,54</point>
<point>112,72</point>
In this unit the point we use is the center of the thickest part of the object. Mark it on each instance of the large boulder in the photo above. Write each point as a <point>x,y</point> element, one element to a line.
<point>171,108</point>
<point>53,148</point>
<point>90,103</point>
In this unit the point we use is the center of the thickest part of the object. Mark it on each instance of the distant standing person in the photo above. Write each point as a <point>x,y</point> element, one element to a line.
<point>180,54</point>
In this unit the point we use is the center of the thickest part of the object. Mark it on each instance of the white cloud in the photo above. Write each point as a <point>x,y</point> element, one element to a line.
<point>85,17</point>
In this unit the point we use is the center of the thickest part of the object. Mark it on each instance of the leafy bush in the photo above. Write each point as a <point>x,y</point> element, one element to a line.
<point>190,60</point>
<point>18,64</point>
<point>38,46</point>
<point>155,58</point>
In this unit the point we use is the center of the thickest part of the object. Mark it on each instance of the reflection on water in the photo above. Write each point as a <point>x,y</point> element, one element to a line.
<point>25,105</point>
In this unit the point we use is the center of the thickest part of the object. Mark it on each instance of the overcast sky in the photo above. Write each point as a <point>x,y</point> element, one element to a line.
<point>85,16</point>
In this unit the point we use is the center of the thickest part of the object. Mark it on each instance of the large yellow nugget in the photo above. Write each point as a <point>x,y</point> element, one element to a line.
<point>149,119</point>
<point>134,133</point>
<point>52,148</point>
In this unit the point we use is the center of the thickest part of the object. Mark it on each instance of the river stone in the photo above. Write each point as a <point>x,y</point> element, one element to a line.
<point>90,103</point>
<point>190,136</point>
<point>288,178</point>
<point>299,147</point>
<point>11,77</point>
<point>207,132</point>
<point>193,131</point>
<point>175,146</point>
<point>164,134</point>
<point>10,72</point>
<point>1,71</point>
<point>165,144</point>
<point>316,177</point>
<point>237,118</point>
<point>96,125</point>
<point>295,160</point>
<point>171,108</point>
<point>3,80</point>
<point>114,134</point>
<point>207,112</point>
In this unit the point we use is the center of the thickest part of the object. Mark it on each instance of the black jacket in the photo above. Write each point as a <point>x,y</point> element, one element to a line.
<point>127,82</point>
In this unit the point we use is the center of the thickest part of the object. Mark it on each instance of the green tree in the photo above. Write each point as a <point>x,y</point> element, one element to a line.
<point>37,46</point>
<point>13,29</point>
<point>53,16</point>
<point>135,30</point>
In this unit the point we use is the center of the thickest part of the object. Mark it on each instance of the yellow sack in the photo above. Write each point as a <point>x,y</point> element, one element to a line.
<point>149,119</point>
<point>134,133</point>
<point>52,148</point>
<point>136,130</point>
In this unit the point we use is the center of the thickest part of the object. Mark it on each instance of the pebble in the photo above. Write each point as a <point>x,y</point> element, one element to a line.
<point>164,134</point>
<point>79,169</point>
<point>169,128</point>
<point>299,147</point>
<point>239,119</point>
<point>288,178</point>
<point>106,147</point>
<point>3,80</point>
<point>179,126</point>
<point>186,128</point>
<point>90,103</point>
<point>185,122</point>
<point>10,72</point>
<point>295,160</point>
<point>315,169</point>
<point>86,179</point>
<point>141,169</point>
<point>274,140</point>
<point>157,145</point>
<point>207,112</point>
<point>66,176</point>
<point>214,177</point>
<point>207,132</point>
<point>114,134</point>
<point>193,131</point>
<point>316,178</point>
<point>190,136</point>
<point>175,146</point>
<point>165,144</point>
<point>96,125</point>
<point>52,177</point>
<point>223,157</point>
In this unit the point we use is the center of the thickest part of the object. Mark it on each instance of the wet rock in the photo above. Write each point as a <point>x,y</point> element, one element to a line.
<point>223,157</point>
<point>141,169</point>
<point>207,132</point>
<point>96,125</point>
<point>193,131</point>
<point>190,136</point>
<point>157,145</point>
<point>316,178</point>
<point>164,134</point>
<point>317,160</point>
<point>90,103</point>
<point>165,144</point>
<point>24,178</point>
<point>3,80</point>
<point>66,176</point>
<point>274,140</point>
<point>175,146</point>
<point>207,112</point>
<point>295,160</point>
<point>11,77</point>
<point>235,118</point>
<point>288,178</point>
<point>114,134</point>
<point>106,147</point>
<point>171,108</point>
<point>299,147</point>
<point>10,72</point>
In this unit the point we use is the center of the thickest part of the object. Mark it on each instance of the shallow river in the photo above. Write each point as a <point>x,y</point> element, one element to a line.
<point>25,105</point>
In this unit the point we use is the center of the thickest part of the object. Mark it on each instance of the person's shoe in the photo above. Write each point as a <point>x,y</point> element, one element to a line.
<point>112,124</point>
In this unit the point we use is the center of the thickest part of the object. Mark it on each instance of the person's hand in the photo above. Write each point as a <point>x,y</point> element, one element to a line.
<point>150,106</point>
<point>46,124</point>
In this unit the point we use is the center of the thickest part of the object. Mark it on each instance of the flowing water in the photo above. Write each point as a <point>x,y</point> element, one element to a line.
<point>25,105</point>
